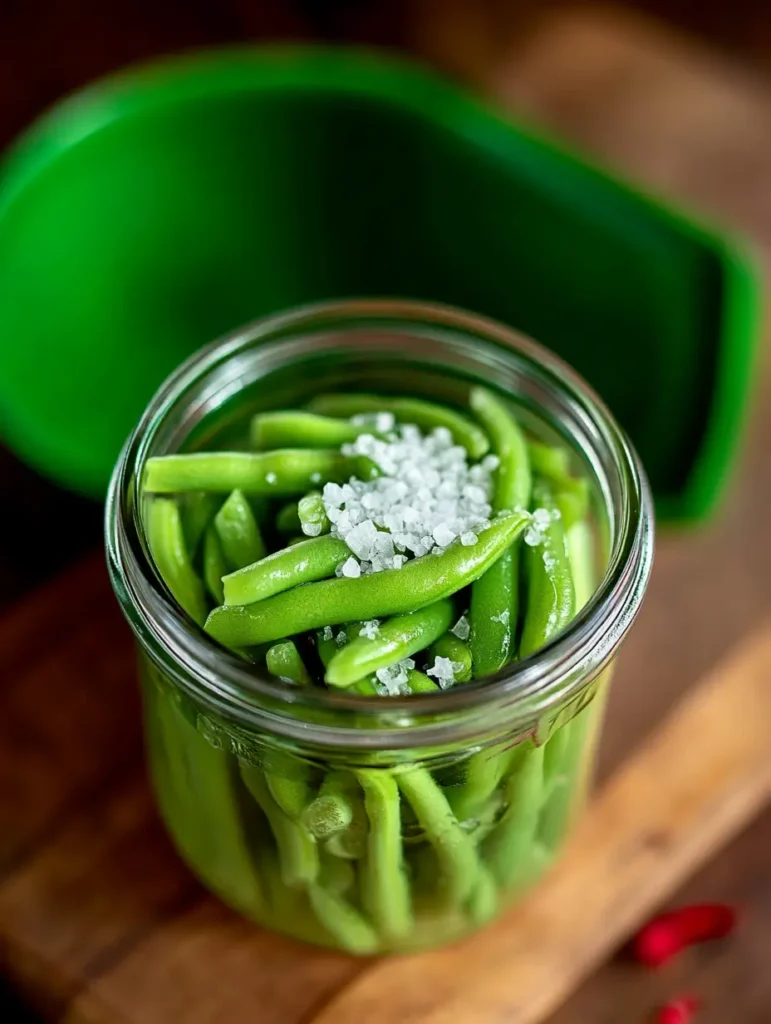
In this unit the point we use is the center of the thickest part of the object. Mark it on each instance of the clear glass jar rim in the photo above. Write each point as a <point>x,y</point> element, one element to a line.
<point>522,691</point>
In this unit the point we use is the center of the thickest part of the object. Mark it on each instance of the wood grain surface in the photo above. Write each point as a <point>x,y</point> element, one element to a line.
<point>99,920</point>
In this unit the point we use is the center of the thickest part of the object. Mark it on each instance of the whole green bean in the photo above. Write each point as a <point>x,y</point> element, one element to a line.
<point>312,514</point>
<point>298,429</point>
<point>455,849</point>
<point>284,661</point>
<point>494,596</point>
<point>509,847</point>
<point>239,534</point>
<point>396,639</point>
<point>281,473</point>
<point>203,803</point>
<point>197,509</point>
<point>566,747</point>
<point>449,646</point>
<point>347,925</point>
<point>385,890</point>
<point>214,565</point>
<point>419,582</point>
<point>550,591</point>
<point>425,415</point>
<point>166,540</point>
<point>314,558</point>
<point>297,850</point>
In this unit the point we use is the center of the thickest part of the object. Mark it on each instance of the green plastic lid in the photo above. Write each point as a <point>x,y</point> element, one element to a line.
<point>162,208</point>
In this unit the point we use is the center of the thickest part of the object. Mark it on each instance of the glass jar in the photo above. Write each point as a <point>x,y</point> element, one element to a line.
<point>431,812</point>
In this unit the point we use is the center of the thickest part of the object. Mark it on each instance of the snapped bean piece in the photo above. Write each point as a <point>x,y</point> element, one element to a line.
<point>307,560</point>
<point>312,514</point>
<point>281,473</point>
<point>423,414</point>
<point>395,639</point>
<point>550,589</point>
<point>332,810</point>
<point>494,597</point>
<point>418,583</point>
<point>293,429</point>
<point>238,532</point>
<point>166,540</point>
<point>284,662</point>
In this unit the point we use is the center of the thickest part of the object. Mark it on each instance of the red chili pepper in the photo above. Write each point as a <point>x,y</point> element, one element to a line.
<point>678,1011</point>
<point>666,935</point>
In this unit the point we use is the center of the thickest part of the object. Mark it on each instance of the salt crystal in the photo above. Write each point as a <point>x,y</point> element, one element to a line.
<point>342,638</point>
<point>327,634</point>
<point>468,539</point>
<point>462,628</point>
<point>490,463</point>
<point>444,670</point>
<point>311,529</point>
<point>316,478</point>
<point>271,478</point>
<point>443,535</point>
<point>370,629</point>
<point>351,568</point>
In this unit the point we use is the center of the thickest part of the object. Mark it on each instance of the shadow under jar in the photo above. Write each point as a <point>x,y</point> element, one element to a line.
<point>380,823</point>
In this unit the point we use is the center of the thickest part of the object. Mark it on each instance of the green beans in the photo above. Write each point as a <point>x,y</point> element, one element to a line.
<point>494,597</point>
<point>394,640</point>
<point>425,415</point>
<point>166,540</point>
<point>385,890</point>
<point>298,853</point>
<point>312,515</point>
<point>376,850</point>
<point>284,661</point>
<point>551,593</point>
<point>214,564</point>
<point>294,429</point>
<point>309,560</point>
<point>391,592</point>
<point>238,532</point>
<point>454,848</point>
<point>281,473</point>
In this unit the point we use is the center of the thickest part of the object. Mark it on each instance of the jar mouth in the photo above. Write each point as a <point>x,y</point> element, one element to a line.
<point>521,692</point>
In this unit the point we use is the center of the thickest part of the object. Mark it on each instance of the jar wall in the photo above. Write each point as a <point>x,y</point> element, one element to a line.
<point>368,856</point>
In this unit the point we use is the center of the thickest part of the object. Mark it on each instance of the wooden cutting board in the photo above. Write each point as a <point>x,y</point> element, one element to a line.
<point>99,921</point>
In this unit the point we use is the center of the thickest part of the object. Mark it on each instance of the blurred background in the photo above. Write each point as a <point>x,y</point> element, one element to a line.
<point>48,49</point>
<point>694,83</point>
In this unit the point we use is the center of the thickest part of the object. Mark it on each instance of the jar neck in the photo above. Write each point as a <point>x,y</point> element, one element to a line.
<point>340,342</point>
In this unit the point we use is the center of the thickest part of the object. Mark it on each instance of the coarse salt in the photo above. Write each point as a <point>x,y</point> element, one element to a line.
<point>444,670</point>
<point>427,498</point>
<point>370,629</point>
<point>462,628</point>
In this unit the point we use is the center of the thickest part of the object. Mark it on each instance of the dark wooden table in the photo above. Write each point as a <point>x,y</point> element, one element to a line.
<point>675,117</point>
